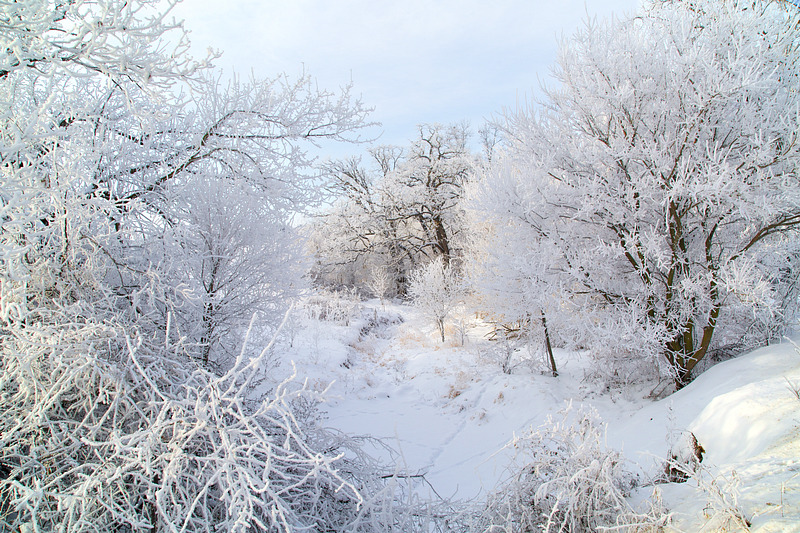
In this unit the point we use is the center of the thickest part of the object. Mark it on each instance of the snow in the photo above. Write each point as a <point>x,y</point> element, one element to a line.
<point>446,410</point>
<point>748,419</point>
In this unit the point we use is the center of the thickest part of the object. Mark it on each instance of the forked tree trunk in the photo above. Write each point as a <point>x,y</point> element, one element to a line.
<point>683,353</point>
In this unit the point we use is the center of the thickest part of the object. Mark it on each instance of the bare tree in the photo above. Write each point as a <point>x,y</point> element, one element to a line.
<point>403,210</point>
<point>436,289</point>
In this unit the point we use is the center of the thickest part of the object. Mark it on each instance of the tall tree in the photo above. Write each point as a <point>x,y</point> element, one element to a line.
<point>402,209</point>
<point>654,193</point>
<point>429,186</point>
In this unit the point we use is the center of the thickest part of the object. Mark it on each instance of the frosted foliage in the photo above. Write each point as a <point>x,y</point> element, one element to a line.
<point>436,289</point>
<point>398,208</point>
<point>639,200</point>
<point>142,228</point>
<point>121,191</point>
<point>100,433</point>
<point>121,39</point>
<point>563,478</point>
<point>237,260</point>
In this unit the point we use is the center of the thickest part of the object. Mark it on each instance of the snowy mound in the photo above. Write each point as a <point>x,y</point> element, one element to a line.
<point>746,415</point>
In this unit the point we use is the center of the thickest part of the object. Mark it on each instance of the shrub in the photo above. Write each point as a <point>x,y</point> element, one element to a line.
<point>563,478</point>
<point>99,432</point>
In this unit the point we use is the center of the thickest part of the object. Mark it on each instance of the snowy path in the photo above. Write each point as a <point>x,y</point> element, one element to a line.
<point>446,409</point>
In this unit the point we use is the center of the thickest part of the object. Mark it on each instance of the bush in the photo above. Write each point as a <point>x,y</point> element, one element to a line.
<point>337,307</point>
<point>563,478</point>
<point>99,432</point>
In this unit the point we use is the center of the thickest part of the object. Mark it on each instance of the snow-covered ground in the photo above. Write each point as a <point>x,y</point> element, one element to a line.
<point>447,410</point>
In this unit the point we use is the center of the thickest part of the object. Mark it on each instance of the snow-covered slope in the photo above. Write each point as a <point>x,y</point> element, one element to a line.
<point>447,410</point>
<point>746,415</point>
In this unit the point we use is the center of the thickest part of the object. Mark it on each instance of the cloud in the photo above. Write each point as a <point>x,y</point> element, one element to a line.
<point>414,60</point>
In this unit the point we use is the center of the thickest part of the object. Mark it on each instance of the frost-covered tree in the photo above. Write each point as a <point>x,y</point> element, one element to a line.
<point>359,233</point>
<point>510,288</point>
<point>70,74</point>
<point>652,197</point>
<point>237,259</point>
<point>436,289</point>
<point>400,209</point>
<point>228,201</point>
<point>379,282</point>
<point>120,167</point>
<point>428,187</point>
<point>85,37</point>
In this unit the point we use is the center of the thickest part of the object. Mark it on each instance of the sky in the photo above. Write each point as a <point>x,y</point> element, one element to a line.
<point>414,61</point>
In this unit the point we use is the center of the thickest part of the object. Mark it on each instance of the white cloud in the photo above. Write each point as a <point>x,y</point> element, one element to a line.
<point>415,61</point>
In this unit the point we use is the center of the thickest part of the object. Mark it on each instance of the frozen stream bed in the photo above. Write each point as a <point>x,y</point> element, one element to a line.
<point>447,411</point>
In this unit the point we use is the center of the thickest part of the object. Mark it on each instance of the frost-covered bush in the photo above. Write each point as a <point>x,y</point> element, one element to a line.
<point>436,289</point>
<point>101,432</point>
<point>563,478</point>
<point>337,307</point>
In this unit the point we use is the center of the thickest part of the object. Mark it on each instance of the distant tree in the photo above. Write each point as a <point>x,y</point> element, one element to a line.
<point>402,209</point>
<point>361,229</point>
<point>490,136</point>
<point>428,187</point>
<point>653,196</point>
<point>379,282</point>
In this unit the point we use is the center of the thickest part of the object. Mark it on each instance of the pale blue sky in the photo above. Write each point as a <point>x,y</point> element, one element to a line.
<point>414,61</point>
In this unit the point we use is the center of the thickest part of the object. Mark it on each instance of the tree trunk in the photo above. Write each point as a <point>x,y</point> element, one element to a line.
<point>442,241</point>
<point>548,346</point>
<point>683,353</point>
<point>208,327</point>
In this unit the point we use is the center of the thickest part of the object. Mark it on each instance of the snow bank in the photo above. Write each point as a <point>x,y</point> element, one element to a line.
<point>748,421</point>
